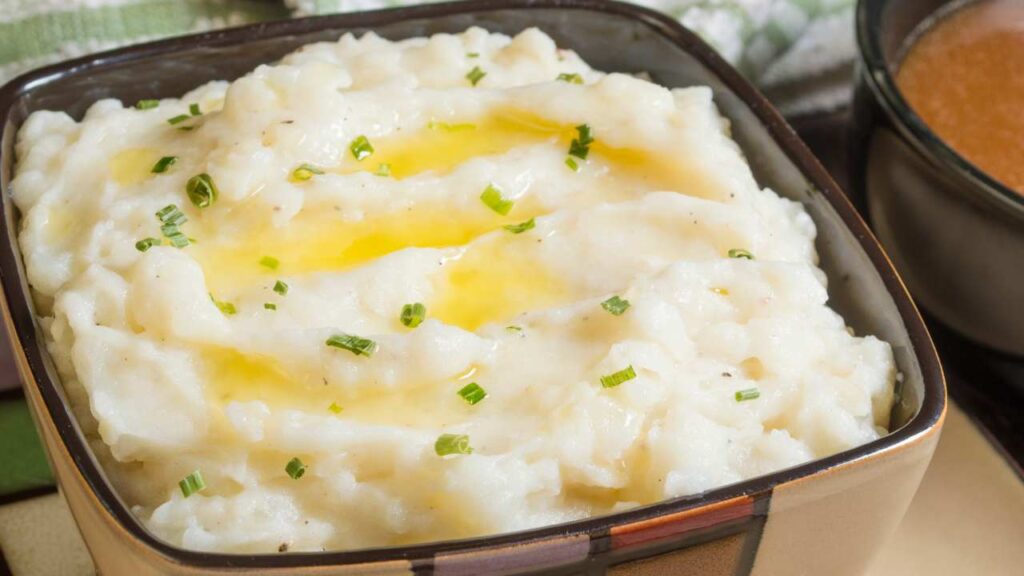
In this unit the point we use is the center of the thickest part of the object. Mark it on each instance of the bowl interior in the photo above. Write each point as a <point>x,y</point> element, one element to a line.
<point>611,37</point>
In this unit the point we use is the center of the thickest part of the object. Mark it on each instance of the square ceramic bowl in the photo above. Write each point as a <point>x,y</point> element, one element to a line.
<point>825,517</point>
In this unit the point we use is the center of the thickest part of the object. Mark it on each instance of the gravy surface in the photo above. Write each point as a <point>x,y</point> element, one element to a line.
<point>965,78</point>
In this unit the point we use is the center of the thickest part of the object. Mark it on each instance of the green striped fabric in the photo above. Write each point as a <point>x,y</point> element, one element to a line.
<point>749,33</point>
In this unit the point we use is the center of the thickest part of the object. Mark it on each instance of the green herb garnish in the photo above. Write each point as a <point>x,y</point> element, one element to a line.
<point>178,119</point>
<point>361,148</point>
<point>270,262</point>
<point>191,484</point>
<point>170,218</point>
<point>472,54</point>
<point>472,393</point>
<point>521,227</point>
<point>193,109</point>
<point>269,306</point>
<point>226,308</point>
<point>146,104</point>
<point>571,78</point>
<point>201,190</point>
<point>163,164</point>
<point>305,172</point>
<point>740,253</point>
<point>354,344</point>
<point>413,314</point>
<point>146,244</point>
<point>492,197</point>
<point>572,164</point>
<point>580,146</point>
<point>281,288</point>
<point>748,394</point>
<point>615,305</point>
<point>614,379</point>
<point>475,75</point>
<point>448,444</point>
<point>295,468</point>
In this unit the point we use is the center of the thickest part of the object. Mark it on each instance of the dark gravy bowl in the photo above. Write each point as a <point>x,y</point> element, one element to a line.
<point>955,233</point>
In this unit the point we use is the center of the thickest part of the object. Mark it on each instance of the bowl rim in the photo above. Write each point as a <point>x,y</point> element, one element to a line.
<point>26,335</point>
<point>878,75</point>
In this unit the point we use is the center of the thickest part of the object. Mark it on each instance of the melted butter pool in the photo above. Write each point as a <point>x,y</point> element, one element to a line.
<point>441,147</point>
<point>322,242</point>
<point>232,376</point>
<point>133,166</point>
<point>492,281</point>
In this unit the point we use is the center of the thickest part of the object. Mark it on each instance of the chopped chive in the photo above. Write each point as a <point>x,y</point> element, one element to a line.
<point>514,328</point>
<point>178,240</point>
<point>163,164</point>
<point>615,305</point>
<point>193,109</point>
<point>146,104</point>
<point>178,119</point>
<point>748,394</point>
<point>383,169</point>
<point>580,146</point>
<point>571,78</point>
<point>191,484</point>
<point>186,128</point>
<point>226,308</point>
<point>572,164</point>
<point>270,262</point>
<point>281,288</point>
<point>305,172</point>
<point>473,55</point>
<point>361,148</point>
<point>269,306</point>
<point>521,227</point>
<point>448,444</point>
<point>334,408</point>
<point>472,393</point>
<point>169,230</point>
<point>146,244</point>
<point>614,379</point>
<point>171,214</point>
<point>475,75</point>
<point>201,190</point>
<point>354,344</point>
<point>413,314</point>
<point>492,197</point>
<point>170,218</point>
<point>740,253</point>
<point>295,468</point>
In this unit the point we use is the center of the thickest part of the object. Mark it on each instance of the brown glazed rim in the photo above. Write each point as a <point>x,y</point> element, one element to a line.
<point>27,337</point>
<point>878,74</point>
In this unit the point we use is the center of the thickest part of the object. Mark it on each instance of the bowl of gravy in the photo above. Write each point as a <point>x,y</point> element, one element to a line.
<point>937,150</point>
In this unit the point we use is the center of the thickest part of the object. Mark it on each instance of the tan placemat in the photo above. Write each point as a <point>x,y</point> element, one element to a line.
<point>967,519</point>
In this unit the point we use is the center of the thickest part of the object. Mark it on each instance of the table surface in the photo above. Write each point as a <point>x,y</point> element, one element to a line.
<point>967,517</point>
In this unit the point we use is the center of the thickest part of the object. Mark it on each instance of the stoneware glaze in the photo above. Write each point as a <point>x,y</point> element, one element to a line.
<point>955,233</point>
<point>825,517</point>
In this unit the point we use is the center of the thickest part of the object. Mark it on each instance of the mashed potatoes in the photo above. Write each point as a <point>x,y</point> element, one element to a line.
<point>382,293</point>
